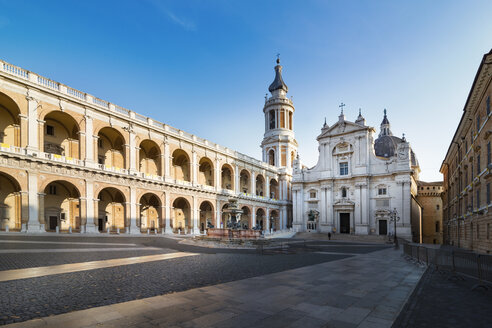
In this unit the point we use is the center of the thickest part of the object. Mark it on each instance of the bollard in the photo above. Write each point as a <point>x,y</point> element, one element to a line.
<point>118,231</point>
<point>69,229</point>
<point>57,229</point>
<point>7,228</point>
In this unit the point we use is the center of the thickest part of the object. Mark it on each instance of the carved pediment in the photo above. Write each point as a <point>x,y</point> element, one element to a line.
<point>341,128</point>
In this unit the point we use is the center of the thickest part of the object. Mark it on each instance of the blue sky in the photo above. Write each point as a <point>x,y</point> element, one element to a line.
<point>205,66</point>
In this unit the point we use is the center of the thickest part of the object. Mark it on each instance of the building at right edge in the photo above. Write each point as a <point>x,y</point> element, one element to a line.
<point>467,169</point>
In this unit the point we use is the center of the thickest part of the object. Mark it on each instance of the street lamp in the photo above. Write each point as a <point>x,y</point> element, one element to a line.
<point>394,217</point>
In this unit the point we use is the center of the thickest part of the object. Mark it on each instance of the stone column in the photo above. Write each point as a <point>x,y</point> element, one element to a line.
<point>95,206</point>
<point>253,183</point>
<point>237,187</point>
<point>218,171</point>
<point>167,160</point>
<point>133,211</point>
<point>323,220</point>
<point>329,207</point>
<point>32,123</point>
<point>41,218</point>
<point>253,217</point>
<point>266,227</point>
<point>40,137</point>
<point>294,206</point>
<point>167,216</point>
<point>24,209</point>
<point>196,229</point>
<point>95,151</point>
<point>194,168</point>
<point>89,142</point>
<point>132,155</point>
<point>83,214</point>
<point>90,226</point>
<point>33,223</point>
<point>162,219</point>
<point>267,187</point>
<point>163,165</point>
<point>218,217</point>
<point>23,130</point>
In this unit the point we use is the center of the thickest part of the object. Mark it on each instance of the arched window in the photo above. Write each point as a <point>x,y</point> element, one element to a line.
<point>271,157</point>
<point>271,119</point>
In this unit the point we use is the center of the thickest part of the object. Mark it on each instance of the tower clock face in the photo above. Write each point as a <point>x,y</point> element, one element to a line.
<point>402,154</point>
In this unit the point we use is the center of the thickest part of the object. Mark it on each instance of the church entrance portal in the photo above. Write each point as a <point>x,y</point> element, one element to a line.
<point>344,222</point>
<point>383,227</point>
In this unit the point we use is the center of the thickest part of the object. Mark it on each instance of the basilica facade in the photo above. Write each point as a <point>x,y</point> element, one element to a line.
<point>360,185</point>
<point>74,163</point>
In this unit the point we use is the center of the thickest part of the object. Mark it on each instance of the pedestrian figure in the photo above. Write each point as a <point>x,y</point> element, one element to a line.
<point>329,235</point>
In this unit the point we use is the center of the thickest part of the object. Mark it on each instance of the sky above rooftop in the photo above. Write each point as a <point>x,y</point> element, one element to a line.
<point>205,66</point>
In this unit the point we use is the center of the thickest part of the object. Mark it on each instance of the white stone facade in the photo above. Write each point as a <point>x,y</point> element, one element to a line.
<point>351,189</point>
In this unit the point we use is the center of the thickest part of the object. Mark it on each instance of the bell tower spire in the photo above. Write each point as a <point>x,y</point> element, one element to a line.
<point>279,145</point>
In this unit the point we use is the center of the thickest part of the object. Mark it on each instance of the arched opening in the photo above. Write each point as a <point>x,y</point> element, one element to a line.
<point>244,182</point>
<point>245,218</point>
<point>10,204</point>
<point>274,189</point>
<point>226,177</point>
<point>271,119</point>
<point>271,157</point>
<point>149,158</point>
<point>9,122</point>
<point>111,210</point>
<point>274,220</point>
<point>150,213</point>
<point>62,207</point>
<point>206,216</point>
<point>181,166</point>
<point>110,148</point>
<point>206,172</point>
<point>260,185</point>
<point>260,219</point>
<point>61,135</point>
<point>224,217</point>
<point>182,221</point>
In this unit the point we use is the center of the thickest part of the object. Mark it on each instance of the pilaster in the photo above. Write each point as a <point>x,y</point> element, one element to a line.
<point>33,223</point>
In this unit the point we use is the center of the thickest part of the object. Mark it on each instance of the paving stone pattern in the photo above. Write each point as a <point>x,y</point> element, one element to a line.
<point>441,300</point>
<point>362,291</point>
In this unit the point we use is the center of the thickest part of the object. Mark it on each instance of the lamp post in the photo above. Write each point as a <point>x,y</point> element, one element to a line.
<point>394,217</point>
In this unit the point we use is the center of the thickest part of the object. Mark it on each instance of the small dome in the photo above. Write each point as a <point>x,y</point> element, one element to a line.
<point>385,146</point>
<point>278,82</point>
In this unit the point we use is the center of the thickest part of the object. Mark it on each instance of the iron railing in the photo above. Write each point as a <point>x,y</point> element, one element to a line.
<point>462,262</point>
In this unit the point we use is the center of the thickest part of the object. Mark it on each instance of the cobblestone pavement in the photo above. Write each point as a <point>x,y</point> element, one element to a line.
<point>25,299</point>
<point>365,291</point>
<point>440,300</point>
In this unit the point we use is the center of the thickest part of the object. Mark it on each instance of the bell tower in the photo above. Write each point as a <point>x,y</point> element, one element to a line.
<point>279,145</point>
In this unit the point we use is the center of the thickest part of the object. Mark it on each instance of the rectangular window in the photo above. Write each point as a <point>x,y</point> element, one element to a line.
<point>478,231</point>
<point>438,226</point>
<point>50,130</point>
<point>381,191</point>
<point>478,164</point>
<point>343,168</point>
<point>478,197</point>
<point>478,123</point>
<point>52,190</point>
<point>488,193</point>
<point>488,153</point>
<point>488,105</point>
<point>312,194</point>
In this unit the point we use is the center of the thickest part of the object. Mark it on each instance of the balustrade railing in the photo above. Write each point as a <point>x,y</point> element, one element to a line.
<point>48,83</point>
<point>14,70</point>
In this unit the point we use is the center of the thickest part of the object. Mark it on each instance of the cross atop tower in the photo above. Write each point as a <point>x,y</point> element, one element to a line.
<point>341,106</point>
<point>278,58</point>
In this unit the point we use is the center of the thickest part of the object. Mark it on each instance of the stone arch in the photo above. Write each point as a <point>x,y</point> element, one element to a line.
<point>111,151</point>
<point>246,217</point>
<point>149,158</point>
<point>111,215</point>
<point>261,218</point>
<point>274,192</point>
<point>207,215</point>
<point>260,185</point>
<point>274,220</point>
<point>181,168</point>
<point>62,206</point>
<point>10,133</point>
<point>245,181</point>
<point>60,135</point>
<point>206,174</point>
<point>150,213</point>
<point>227,177</point>
<point>271,157</point>
<point>182,221</point>
<point>10,203</point>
